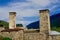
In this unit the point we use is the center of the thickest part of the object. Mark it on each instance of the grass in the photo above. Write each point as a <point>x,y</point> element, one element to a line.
<point>5,38</point>
<point>55,29</point>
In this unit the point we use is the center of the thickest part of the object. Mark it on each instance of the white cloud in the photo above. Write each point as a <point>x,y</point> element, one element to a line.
<point>54,1</point>
<point>53,7</point>
<point>24,23</point>
<point>19,8</point>
<point>42,3</point>
<point>24,9</point>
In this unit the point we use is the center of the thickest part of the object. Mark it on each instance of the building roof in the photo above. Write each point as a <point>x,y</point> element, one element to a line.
<point>55,33</point>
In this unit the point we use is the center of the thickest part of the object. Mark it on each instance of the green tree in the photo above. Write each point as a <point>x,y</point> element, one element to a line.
<point>19,25</point>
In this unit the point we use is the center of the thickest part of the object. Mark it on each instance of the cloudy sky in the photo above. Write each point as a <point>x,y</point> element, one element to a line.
<point>27,10</point>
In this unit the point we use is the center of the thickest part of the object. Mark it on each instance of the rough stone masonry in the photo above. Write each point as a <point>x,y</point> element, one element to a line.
<point>12,20</point>
<point>44,24</point>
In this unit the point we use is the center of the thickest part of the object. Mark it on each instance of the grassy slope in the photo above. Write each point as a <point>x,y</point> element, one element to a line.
<point>4,23</point>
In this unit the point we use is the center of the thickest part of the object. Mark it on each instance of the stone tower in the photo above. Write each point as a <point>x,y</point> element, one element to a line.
<point>44,24</point>
<point>12,20</point>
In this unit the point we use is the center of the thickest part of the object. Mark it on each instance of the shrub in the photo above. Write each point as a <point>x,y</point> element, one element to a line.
<point>1,37</point>
<point>7,38</point>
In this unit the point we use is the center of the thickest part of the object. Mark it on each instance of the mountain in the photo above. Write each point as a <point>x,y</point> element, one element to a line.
<point>54,20</point>
<point>33,25</point>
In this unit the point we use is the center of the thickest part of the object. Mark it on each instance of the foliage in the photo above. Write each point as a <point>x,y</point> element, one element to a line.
<point>1,37</point>
<point>4,23</point>
<point>55,29</point>
<point>19,25</point>
<point>7,38</point>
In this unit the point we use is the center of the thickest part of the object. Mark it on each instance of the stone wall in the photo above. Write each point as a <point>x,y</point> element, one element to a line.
<point>36,36</point>
<point>30,35</point>
<point>54,37</point>
<point>12,20</point>
<point>15,35</point>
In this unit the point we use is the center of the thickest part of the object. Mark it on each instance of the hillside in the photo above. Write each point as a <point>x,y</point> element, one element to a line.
<point>4,24</point>
<point>34,25</point>
<point>54,20</point>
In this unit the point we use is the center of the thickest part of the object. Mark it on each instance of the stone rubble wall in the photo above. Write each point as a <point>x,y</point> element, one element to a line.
<point>15,35</point>
<point>54,37</point>
<point>31,36</point>
<point>36,36</point>
<point>21,35</point>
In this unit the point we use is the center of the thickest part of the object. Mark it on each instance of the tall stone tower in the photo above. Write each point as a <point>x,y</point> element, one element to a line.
<point>12,20</point>
<point>44,24</point>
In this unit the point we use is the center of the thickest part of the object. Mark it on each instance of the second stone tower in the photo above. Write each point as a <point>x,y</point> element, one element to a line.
<point>12,20</point>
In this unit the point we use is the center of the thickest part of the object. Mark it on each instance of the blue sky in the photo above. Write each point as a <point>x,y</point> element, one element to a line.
<point>27,10</point>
